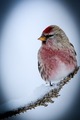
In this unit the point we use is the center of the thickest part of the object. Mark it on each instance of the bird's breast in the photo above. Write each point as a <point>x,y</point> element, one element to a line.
<point>56,63</point>
<point>52,57</point>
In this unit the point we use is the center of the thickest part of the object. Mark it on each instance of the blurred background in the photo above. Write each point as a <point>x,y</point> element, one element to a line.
<point>21,23</point>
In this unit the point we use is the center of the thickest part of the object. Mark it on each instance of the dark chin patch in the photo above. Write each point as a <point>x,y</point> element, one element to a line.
<point>43,42</point>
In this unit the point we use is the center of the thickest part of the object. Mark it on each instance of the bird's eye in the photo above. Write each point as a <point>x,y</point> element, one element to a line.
<point>49,36</point>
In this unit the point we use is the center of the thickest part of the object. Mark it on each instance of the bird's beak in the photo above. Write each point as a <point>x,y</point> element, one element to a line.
<point>42,38</point>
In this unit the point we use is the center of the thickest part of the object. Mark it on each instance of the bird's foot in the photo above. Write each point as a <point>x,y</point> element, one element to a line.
<point>51,84</point>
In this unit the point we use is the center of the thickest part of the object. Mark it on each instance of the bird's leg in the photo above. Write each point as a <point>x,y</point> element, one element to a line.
<point>50,83</point>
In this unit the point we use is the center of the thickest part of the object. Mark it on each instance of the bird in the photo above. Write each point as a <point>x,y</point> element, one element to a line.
<point>56,55</point>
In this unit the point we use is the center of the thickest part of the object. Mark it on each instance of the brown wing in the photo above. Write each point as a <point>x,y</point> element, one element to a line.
<point>73,49</point>
<point>39,66</point>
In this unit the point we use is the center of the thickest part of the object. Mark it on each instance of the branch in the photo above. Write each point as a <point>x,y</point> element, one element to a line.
<point>43,101</point>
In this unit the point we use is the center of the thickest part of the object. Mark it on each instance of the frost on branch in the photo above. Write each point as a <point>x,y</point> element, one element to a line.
<point>42,99</point>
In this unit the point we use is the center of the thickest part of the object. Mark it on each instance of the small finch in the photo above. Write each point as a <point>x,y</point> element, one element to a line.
<point>56,56</point>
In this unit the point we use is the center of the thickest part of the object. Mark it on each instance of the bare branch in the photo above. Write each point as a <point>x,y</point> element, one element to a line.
<point>47,98</point>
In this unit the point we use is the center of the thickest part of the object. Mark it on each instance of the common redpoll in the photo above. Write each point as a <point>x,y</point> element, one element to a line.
<point>56,56</point>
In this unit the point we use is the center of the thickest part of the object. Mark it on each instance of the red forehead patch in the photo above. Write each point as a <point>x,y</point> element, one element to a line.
<point>47,30</point>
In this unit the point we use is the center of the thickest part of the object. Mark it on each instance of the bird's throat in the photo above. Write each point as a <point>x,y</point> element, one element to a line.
<point>43,42</point>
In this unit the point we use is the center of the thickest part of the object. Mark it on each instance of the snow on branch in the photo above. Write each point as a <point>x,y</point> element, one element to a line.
<point>42,100</point>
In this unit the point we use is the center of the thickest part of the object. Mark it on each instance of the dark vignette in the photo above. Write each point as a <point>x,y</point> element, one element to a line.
<point>74,7</point>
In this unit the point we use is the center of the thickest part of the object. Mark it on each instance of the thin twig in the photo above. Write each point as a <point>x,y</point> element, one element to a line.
<point>47,98</point>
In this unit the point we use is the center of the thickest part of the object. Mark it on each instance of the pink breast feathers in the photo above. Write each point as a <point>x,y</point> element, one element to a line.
<point>63,56</point>
<point>57,64</point>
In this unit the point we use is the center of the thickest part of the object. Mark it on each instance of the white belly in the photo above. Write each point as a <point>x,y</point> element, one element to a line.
<point>61,72</point>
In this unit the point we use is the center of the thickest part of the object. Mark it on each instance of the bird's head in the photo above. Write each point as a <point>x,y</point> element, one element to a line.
<point>49,33</point>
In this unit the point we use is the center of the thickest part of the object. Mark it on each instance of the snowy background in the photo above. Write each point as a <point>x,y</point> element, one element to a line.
<point>19,47</point>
